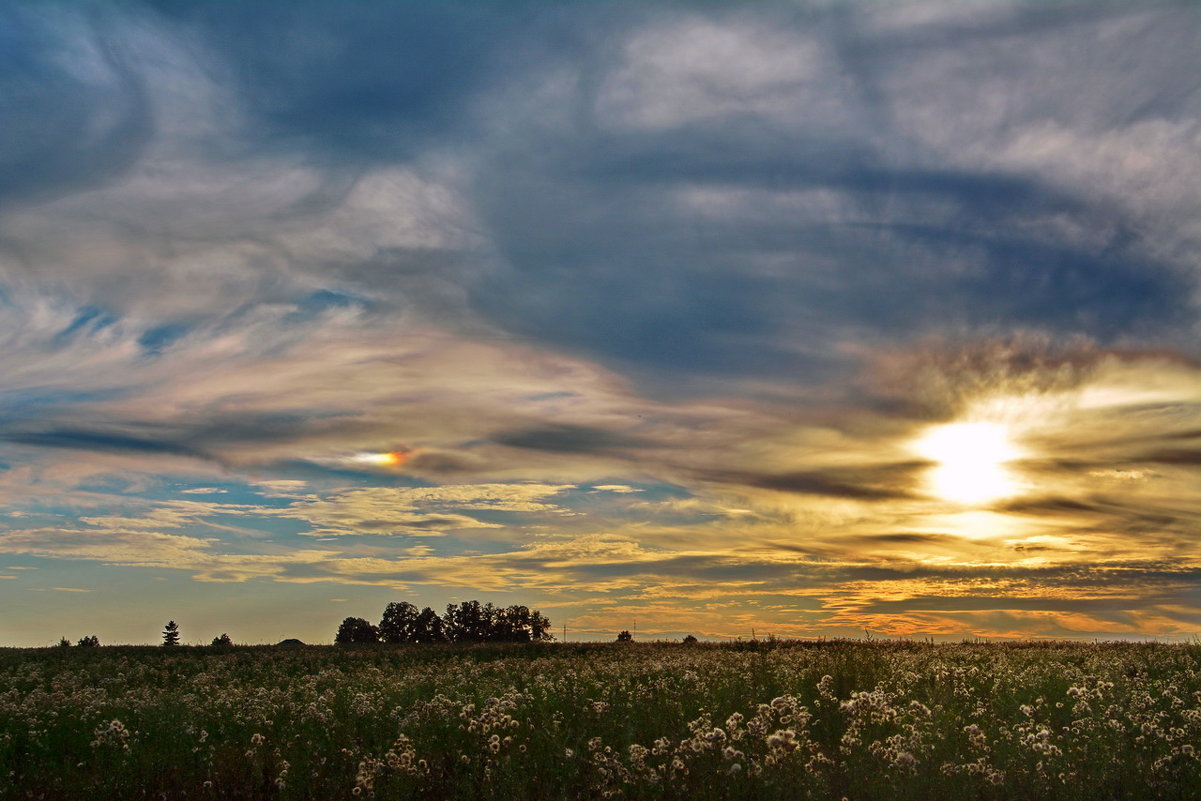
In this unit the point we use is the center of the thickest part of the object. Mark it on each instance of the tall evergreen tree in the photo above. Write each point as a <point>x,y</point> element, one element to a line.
<point>171,633</point>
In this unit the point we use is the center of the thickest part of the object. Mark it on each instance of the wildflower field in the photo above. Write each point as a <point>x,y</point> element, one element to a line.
<point>795,720</point>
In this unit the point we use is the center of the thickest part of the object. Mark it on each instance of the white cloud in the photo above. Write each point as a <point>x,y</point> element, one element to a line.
<point>420,511</point>
<point>689,69</point>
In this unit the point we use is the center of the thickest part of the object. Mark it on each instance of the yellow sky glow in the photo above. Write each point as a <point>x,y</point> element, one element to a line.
<point>970,462</point>
<point>388,459</point>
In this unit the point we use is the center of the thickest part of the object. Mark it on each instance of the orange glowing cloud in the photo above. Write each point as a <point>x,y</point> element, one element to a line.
<point>384,459</point>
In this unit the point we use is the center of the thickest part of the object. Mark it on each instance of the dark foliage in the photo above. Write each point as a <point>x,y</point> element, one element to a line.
<point>428,627</point>
<point>472,622</point>
<point>399,622</point>
<point>466,622</point>
<point>356,630</point>
<point>171,634</point>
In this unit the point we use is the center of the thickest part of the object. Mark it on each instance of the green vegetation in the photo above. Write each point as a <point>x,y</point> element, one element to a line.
<point>787,720</point>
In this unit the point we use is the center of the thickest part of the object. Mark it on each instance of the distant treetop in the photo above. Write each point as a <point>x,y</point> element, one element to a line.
<point>468,621</point>
<point>356,630</point>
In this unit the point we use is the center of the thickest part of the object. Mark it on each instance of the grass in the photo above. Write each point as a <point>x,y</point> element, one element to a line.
<point>766,720</point>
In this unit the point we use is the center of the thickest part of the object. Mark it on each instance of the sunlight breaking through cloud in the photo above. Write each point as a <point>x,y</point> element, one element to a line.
<point>880,316</point>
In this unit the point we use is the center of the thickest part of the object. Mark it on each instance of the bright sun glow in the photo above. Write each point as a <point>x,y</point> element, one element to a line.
<point>970,461</point>
<point>389,459</point>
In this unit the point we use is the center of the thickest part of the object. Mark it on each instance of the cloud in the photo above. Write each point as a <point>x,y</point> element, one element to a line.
<point>55,95</point>
<point>858,228</point>
<point>421,511</point>
<point>657,300</point>
<point>100,441</point>
<point>570,439</point>
<point>867,483</point>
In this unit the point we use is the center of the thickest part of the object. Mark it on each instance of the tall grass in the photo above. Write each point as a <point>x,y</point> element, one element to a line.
<point>787,720</point>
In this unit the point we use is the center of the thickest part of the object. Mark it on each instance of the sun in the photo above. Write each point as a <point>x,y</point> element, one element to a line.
<point>970,462</point>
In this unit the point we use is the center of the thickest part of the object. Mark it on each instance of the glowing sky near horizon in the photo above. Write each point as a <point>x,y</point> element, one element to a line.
<point>800,318</point>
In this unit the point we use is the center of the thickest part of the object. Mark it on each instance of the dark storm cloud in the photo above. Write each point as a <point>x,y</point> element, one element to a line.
<point>201,438</point>
<point>105,442</point>
<point>48,109</point>
<point>604,267</point>
<point>870,482</point>
<point>909,538</point>
<point>1175,456</point>
<point>591,243</point>
<point>1048,505</point>
<point>562,438</point>
<point>603,257</point>
<point>353,83</point>
<point>864,483</point>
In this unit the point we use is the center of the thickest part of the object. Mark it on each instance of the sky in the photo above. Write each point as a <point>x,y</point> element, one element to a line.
<point>726,319</point>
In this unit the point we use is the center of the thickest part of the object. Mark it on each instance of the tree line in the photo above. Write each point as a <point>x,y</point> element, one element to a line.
<point>170,639</point>
<point>469,621</point>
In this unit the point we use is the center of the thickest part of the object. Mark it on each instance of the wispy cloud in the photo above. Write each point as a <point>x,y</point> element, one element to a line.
<point>656,312</point>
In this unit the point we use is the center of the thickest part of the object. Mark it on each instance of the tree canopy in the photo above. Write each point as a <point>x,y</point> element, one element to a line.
<point>356,630</point>
<point>468,621</point>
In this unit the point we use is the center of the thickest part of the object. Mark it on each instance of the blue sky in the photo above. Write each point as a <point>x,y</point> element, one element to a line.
<point>801,318</point>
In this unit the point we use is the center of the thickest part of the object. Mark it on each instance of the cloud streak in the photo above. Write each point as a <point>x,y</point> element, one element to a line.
<point>656,301</point>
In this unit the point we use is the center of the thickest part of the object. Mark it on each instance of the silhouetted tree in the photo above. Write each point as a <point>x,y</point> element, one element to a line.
<point>468,622</point>
<point>90,641</point>
<point>399,623</point>
<point>690,640</point>
<point>428,627</point>
<point>64,643</point>
<point>625,636</point>
<point>539,627</point>
<point>356,630</point>
<point>223,641</point>
<point>507,624</point>
<point>171,633</point>
<point>520,624</point>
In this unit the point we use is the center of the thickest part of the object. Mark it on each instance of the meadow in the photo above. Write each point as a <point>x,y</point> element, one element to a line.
<point>758,720</point>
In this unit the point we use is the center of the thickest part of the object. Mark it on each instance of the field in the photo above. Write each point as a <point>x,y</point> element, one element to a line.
<point>795,720</point>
